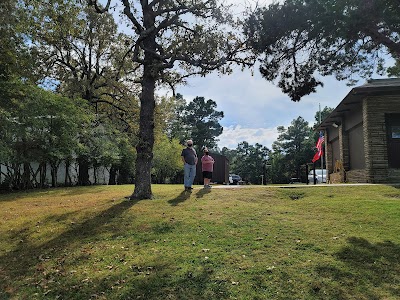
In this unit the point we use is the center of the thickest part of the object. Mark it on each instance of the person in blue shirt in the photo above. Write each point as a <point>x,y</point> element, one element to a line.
<point>189,159</point>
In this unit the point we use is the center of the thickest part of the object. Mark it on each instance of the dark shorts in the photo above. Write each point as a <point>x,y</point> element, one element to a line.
<point>207,174</point>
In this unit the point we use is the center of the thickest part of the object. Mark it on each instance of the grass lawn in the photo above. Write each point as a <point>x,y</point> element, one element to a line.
<point>235,243</point>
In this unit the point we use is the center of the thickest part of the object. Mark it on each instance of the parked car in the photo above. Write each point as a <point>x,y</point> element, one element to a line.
<point>234,179</point>
<point>320,175</point>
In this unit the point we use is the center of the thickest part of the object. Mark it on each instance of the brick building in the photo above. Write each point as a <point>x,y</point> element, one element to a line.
<point>362,134</point>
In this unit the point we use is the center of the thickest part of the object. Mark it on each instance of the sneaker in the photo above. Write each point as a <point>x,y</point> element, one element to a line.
<point>209,186</point>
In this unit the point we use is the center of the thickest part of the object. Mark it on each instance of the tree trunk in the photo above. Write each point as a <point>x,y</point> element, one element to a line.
<point>151,72</point>
<point>67,178</point>
<point>53,177</point>
<point>83,176</point>
<point>113,175</point>
<point>26,177</point>
<point>54,170</point>
<point>15,172</point>
<point>42,174</point>
<point>144,147</point>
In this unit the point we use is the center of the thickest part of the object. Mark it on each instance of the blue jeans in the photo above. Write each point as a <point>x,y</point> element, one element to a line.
<point>189,174</point>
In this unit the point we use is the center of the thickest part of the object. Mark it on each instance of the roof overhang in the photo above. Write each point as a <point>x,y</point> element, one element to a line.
<point>355,97</point>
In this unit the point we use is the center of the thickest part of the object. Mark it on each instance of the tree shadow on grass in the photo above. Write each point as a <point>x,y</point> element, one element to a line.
<point>22,262</point>
<point>46,269</point>
<point>395,195</point>
<point>182,197</point>
<point>369,267</point>
<point>198,284</point>
<point>59,191</point>
<point>202,192</point>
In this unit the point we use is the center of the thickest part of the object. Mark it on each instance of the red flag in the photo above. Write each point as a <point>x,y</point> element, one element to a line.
<point>319,147</point>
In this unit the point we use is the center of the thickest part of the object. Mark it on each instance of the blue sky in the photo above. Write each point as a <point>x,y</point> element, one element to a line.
<point>254,108</point>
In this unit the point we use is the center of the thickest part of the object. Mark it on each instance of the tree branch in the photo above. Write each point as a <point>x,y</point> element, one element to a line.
<point>98,100</point>
<point>380,38</point>
<point>97,7</point>
<point>128,12</point>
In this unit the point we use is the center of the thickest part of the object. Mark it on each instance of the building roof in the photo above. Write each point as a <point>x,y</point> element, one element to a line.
<point>355,96</point>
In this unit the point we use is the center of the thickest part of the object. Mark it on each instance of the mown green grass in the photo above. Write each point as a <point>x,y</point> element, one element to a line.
<point>235,243</point>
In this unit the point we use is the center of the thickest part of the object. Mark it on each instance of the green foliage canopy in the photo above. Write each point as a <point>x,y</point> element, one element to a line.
<point>38,126</point>
<point>250,161</point>
<point>296,146</point>
<point>201,121</point>
<point>300,39</point>
<point>167,162</point>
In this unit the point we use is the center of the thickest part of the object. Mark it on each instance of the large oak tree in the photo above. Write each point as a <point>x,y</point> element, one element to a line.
<point>171,40</point>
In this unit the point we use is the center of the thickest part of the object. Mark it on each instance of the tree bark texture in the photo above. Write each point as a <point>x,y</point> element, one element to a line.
<point>26,177</point>
<point>145,145</point>
<point>113,174</point>
<point>83,176</point>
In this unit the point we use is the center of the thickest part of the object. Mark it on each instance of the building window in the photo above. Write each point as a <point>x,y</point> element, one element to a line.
<point>395,131</point>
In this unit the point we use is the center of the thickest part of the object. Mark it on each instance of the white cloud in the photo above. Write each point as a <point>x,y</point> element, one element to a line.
<point>233,135</point>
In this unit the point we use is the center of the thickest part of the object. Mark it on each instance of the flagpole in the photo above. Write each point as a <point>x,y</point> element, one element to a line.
<point>322,156</point>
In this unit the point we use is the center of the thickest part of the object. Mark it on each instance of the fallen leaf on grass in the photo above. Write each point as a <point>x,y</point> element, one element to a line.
<point>42,258</point>
<point>40,267</point>
<point>270,269</point>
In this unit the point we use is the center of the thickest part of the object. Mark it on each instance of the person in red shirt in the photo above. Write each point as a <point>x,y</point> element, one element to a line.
<point>207,166</point>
